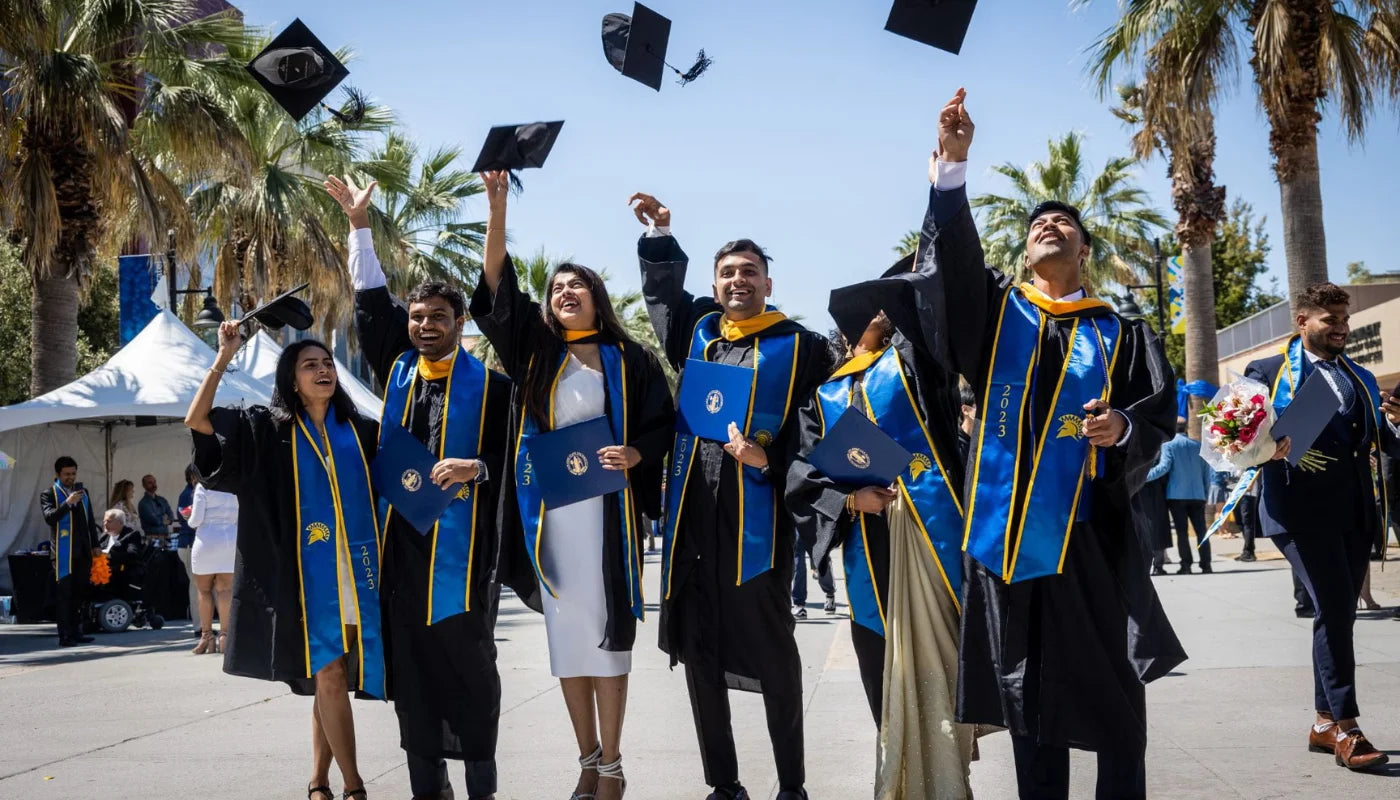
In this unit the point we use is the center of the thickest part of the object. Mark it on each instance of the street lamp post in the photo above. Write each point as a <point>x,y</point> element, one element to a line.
<point>1131,309</point>
<point>208,317</point>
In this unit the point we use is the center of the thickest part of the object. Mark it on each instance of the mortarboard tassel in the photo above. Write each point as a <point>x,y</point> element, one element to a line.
<point>702,63</point>
<point>356,106</point>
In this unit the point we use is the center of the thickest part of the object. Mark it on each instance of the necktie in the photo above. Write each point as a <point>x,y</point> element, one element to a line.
<point>1341,382</point>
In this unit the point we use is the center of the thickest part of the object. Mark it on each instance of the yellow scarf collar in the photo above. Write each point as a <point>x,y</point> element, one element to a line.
<point>859,363</point>
<point>1055,307</point>
<point>433,370</point>
<point>574,336</point>
<point>734,330</point>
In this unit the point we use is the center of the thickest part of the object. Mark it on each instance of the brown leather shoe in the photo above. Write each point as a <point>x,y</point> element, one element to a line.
<point>1322,736</point>
<point>1355,752</point>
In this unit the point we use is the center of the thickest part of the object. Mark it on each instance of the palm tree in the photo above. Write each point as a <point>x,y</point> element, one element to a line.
<point>1168,125</point>
<point>1113,207</point>
<point>89,89</point>
<point>1301,52</point>
<point>908,243</point>
<point>425,214</point>
<point>276,227</point>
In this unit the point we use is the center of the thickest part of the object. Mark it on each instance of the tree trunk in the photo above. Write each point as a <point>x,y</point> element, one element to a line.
<point>1304,238</point>
<point>1202,355</point>
<point>54,334</point>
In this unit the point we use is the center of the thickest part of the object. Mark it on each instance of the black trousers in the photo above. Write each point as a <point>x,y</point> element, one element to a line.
<point>799,578</point>
<point>427,778</point>
<point>72,593</point>
<point>1042,772</point>
<point>1195,512</point>
<point>1247,515</point>
<point>1331,566</point>
<point>709,702</point>
<point>870,655</point>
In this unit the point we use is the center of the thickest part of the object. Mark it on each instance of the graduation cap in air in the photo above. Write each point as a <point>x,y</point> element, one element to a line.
<point>854,306</point>
<point>636,47</point>
<point>940,23</point>
<point>513,147</point>
<point>282,310</point>
<point>299,71</point>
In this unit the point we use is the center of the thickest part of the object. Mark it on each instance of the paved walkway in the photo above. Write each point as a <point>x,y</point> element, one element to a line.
<point>136,716</point>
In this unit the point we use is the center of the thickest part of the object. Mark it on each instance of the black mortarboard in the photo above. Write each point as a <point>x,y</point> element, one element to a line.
<point>636,47</point>
<point>1055,205</point>
<point>941,23</point>
<point>297,70</point>
<point>854,306</point>
<point>284,309</point>
<point>512,147</point>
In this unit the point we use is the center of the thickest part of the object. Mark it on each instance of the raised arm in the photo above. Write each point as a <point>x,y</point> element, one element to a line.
<point>509,319</point>
<point>381,325</point>
<point>672,309</point>
<point>494,261</point>
<point>197,417</point>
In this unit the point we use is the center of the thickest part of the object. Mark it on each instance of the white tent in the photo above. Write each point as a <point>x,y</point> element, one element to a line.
<point>125,420</point>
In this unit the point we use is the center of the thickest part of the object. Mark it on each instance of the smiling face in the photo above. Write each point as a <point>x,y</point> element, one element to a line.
<point>315,375</point>
<point>433,328</point>
<point>742,286</point>
<point>67,477</point>
<point>571,302</point>
<point>1325,330</point>
<point>1055,243</point>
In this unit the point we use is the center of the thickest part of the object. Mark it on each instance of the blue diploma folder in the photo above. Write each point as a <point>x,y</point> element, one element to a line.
<point>1307,414</point>
<point>855,452</point>
<point>712,396</point>
<point>402,472</point>
<point>566,463</point>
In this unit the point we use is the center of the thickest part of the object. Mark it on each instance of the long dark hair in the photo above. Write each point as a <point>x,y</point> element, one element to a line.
<point>286,403</point>
<point>540,379</point>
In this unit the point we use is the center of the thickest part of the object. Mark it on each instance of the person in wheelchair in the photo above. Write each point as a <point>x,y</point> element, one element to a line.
<point>121,601</point>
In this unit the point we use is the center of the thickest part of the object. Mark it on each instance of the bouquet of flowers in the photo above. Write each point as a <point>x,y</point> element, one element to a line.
<point>1235,427</point>
<point>100,573</point>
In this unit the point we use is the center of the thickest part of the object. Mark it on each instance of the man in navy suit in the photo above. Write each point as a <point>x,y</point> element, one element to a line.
<point>1323,514</point>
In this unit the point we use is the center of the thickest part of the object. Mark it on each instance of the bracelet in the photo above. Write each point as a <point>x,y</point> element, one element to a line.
<point>489,229</point>
<point>216,369</point>
<point>851,504</point>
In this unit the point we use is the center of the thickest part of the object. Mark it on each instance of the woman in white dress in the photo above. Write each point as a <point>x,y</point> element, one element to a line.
<point>571,362</point>
<point>214,516</point>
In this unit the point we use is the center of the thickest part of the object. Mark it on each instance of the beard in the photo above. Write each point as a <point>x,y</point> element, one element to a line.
<point>1321,343</point>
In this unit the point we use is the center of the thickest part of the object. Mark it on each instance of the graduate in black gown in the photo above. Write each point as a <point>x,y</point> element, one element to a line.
<point>301,613</point>
<point>1061,625</point>
<point>73,532</point>
<point>440,586</point>
<point>725,609</point>
<point>572,361</point>
<point>901,545</point>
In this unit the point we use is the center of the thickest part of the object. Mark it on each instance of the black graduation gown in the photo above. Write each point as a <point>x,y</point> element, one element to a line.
<point>514,325</point>
<point>250,455</point>
<point>1062,658</point>
<point>739,636</point>
<point>441,677</point>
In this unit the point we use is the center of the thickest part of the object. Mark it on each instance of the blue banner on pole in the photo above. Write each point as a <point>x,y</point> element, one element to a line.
<point>137,277</point>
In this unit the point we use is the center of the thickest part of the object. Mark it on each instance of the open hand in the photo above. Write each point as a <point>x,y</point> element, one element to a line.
<point>1104,426</point>
<point>497,186</point>
<point>954,131</point>
<point>619,456</point>
<point>455,470</point>
<point>745,450</point>
<point>353,200</point>
<point>873,499</point>
<point>649,210</point>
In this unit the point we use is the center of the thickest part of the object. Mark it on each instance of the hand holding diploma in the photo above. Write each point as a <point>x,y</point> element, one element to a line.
<point>745,450</point>
<point>455,470</point>
<point>872,499</point>
<point>619,457</point>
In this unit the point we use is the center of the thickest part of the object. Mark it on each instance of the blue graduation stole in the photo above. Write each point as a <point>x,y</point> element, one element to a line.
<point>531,500</point>
<point>891,405</point>
<point>463,423</point>
<point>1289,378</point>
<point>1002,532</point>
<point>775,372</point>
<point>63,544</point>
<point>336,515</point>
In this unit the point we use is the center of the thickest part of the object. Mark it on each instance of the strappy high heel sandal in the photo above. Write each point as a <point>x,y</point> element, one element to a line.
<point>314,790</point>
<point>352,794</point>
<point>221,645</point>
<point>614,771</point>
<point>588,762</point>
<point>206,643</point>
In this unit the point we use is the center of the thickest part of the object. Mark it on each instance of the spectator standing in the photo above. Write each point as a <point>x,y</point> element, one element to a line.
<point>214,515</point>
<point>156,515</point>
<point>1188,482</point>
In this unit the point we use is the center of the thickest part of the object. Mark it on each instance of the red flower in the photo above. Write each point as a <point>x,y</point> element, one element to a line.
<point>1257,399</point>
<point>1229,414</point>
<point>1218,429</point>
<point>1260,415</point>
<point>1247,434</point>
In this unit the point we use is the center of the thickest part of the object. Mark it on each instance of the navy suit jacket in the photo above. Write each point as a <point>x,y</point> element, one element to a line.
<point>1341,496</point>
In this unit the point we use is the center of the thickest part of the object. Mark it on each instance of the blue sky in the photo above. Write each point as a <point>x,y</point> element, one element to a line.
<point>810,134</point>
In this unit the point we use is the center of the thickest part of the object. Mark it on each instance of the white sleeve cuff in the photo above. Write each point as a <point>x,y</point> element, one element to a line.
<point>1127,432</point>
<point>654,231</point>
<point>950,175</point>
<point>365,272</point>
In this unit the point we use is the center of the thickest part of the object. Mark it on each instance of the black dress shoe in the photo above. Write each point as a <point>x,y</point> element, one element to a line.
<point>80,639</point>
<point>66,642</point>
<point>1158,571</point>
<point>1205,569</point>
<point>1184,569</point>
<point>789,794</point>
<point>1304,613</point>
<point>723,793</point>
<point>1245,557</point>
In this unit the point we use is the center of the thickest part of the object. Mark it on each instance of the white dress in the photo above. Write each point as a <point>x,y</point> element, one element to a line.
<point>572,554</point>
<point>214,516</point>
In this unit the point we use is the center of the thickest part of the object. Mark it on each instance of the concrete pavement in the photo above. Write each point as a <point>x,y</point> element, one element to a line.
<point>136,716</point>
